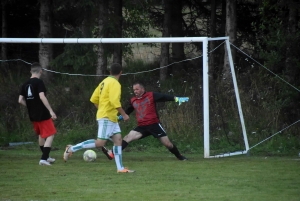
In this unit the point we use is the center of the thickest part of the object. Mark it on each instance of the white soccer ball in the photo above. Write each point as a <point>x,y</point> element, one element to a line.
<point>89,156</point>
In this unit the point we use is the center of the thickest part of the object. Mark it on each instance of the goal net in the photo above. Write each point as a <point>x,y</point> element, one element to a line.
<point>203,66</point>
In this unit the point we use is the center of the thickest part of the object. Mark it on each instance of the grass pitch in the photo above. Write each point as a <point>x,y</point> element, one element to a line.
<point>158,176</point>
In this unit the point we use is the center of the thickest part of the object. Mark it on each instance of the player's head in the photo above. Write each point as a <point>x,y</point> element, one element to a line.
<point>138,89</point>
<point>36,68</point>
<point>115,69</point>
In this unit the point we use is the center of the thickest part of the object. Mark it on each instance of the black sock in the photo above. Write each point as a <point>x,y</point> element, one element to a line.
<point>42,147</point>
<point>46,152</point>
<point>124,144</point>
<point>174,150</point>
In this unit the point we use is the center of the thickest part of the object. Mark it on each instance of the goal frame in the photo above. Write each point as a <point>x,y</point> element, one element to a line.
<point>204,41</point>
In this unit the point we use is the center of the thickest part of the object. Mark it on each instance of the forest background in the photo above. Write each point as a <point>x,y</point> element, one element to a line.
<point>264,36</point>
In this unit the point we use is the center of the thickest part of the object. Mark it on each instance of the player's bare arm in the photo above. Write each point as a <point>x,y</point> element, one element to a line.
<point>124,115</point>
<point>47,105</point>
<point>22,100</point>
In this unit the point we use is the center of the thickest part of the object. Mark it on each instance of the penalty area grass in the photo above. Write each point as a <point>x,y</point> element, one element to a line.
<point>158,176</point>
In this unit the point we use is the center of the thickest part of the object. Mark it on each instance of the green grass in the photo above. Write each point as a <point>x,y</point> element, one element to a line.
<point>158,176</point>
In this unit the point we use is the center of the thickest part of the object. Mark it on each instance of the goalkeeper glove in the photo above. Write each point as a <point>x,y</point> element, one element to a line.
<point>120,118</point>
<point>181,100</point>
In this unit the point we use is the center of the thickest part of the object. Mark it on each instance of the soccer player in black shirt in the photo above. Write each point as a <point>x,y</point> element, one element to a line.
<point>33,96</point>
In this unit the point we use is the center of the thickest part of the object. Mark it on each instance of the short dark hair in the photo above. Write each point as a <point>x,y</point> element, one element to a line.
<point>140,83</point>
<point>115,69</point>
<point>35,67</point>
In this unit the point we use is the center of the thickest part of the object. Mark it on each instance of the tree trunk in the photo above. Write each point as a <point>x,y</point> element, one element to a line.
<point>221,32</point>
<point>102,57</point>
<point>4,65</point>
<point>230,31</point>
<point>164,57</point>
<point>117,58</point>
<point>212,44</point>
<point>177,31</point>
<point>291,32</point>
<point>46,50</point>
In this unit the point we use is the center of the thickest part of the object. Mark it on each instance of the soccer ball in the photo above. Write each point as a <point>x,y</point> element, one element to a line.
<point>89,156</point>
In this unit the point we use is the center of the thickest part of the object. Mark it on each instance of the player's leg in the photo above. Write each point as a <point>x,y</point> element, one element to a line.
<point>47,148</point>
<point>47,132</point>
<point>70,149</point>
<point>117,148</point>
<point>43,160</point>
<point>158,132</point>
<point>41,142</point>
<point>131,136</point>
<point>172,148</point>
<point>104,128</point>
<point>88,144</point>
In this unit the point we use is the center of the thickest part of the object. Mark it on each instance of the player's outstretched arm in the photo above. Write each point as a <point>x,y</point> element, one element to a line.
<point>181,100</point>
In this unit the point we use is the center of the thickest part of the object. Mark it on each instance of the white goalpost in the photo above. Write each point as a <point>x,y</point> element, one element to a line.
<point>204,41</point>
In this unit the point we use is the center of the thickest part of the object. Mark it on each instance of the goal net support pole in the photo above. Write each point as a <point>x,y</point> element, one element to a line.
<point>206,131</point>
<point>204,41</point>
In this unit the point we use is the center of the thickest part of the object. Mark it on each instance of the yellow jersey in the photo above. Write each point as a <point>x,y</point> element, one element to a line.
<point>107,96</point>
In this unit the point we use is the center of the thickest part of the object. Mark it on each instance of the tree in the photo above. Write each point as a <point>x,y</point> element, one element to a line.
<point>280,37</point>
<point>77,18</point>
<point>164,56</point>
<point>177,31</point>
<point>4,35</point>
<point>291,32</point>
<point>230,31</point>
<point>46,50</point>
<point>102,21</point>
<point>118,17</point>
<point>213,22</point>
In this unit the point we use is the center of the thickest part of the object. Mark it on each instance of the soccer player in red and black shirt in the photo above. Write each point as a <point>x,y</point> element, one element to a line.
<point>144,104</point>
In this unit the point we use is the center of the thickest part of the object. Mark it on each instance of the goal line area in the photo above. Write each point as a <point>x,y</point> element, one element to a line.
<point>214,115</point>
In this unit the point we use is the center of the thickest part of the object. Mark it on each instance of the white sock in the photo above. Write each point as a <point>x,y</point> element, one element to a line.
<point>83,145</point>
<point>118,157</point>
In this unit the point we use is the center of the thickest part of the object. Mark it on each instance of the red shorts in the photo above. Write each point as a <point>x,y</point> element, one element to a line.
<point>44,128</point>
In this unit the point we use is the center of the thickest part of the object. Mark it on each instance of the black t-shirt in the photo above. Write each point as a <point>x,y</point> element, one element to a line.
<point>36,108</point>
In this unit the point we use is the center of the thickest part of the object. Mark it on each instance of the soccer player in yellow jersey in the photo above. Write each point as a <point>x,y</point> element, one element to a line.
<point>106,98</point>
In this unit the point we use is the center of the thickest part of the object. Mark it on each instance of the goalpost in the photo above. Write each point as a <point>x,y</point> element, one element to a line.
<point>204,41</point>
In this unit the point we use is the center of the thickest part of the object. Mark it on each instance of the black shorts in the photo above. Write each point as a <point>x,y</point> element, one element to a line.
<point>156,130</point>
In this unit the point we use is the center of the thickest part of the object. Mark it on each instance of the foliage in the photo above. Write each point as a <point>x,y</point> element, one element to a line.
<point>135,20</point>
<point>83,57</point>
<point>76,58</point>
<point>279,49</point>
<point>275,39</point>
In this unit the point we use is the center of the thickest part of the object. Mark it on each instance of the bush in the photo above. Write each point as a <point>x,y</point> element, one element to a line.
<point>263,109</point>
